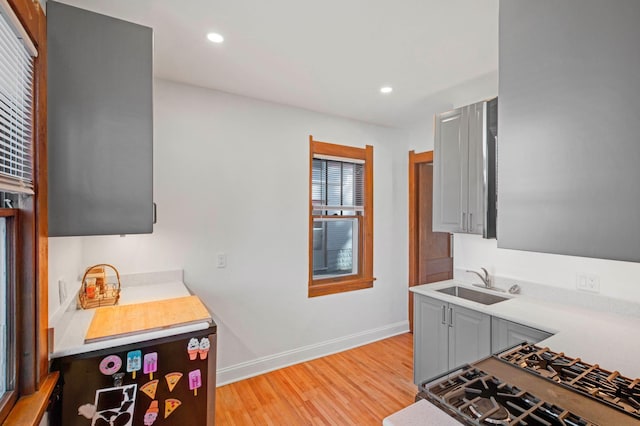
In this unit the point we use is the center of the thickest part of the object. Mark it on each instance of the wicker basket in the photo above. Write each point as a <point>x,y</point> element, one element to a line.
<point>95,291</point>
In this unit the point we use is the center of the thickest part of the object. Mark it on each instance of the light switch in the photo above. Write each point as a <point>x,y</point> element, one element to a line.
<point>222,260</point>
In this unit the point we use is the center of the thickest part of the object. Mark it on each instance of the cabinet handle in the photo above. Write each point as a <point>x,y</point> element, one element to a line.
<point>450,317</point>
<point>155,213</point>
<point>470,222</point>
<point>444,314</point>
<point>464,221</point>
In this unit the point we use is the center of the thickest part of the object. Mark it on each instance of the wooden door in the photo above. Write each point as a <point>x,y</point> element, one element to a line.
<point>430,257</point>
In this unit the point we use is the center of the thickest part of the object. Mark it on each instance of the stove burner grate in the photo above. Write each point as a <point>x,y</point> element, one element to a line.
<point>609,387</point>
<point>477,398</point>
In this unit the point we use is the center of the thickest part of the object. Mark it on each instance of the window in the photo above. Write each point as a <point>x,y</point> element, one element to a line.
<point>8,291</point>
<point>16,106</point>
<point>22,112</point>
<point>340,218</point>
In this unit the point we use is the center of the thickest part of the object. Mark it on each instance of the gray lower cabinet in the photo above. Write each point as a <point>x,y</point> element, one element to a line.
<point>446,336</point>
<point>100,125</point>
<point>505,334</point>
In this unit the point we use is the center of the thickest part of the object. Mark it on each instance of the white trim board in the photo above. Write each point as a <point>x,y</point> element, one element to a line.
<point>245,370</point>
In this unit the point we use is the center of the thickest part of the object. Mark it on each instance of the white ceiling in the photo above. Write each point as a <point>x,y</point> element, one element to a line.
<point>330,56</point>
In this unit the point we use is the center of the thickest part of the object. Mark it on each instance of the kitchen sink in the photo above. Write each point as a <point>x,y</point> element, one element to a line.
<point>475,296</point>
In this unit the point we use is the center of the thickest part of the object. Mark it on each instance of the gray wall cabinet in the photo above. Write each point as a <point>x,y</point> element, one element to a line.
<point>464,170</point>
<point>505,334</point>
<point>100,124</point>
<point>569,125</point>
<point>446,336</point>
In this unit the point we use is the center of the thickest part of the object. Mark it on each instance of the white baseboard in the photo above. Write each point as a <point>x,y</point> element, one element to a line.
<point>265,364</point>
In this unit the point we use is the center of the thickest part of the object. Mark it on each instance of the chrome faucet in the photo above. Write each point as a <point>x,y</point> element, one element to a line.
<point>486,279</point>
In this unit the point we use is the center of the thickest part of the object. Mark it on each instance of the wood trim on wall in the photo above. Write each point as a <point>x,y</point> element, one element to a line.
<point>414,160</point>
<point>34,233</point>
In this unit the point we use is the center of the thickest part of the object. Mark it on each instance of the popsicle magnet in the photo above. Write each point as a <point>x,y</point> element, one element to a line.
<point>134,362</point>
<point>150,364</point>
<point>195,381</point>
<point>151,414</point>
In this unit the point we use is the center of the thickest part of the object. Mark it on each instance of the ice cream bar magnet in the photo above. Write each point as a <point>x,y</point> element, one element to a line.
<point>195,381</point>
<point>152,413</point>
<point>193,348</point>
<point>150,364</point>
<point>134,362</point>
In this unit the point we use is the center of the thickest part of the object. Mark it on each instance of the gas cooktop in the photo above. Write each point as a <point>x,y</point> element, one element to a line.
<point>530,385</point>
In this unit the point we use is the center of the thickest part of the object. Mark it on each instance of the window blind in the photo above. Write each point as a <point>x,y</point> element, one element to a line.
<point>337,186</point>
<point>16,105</point>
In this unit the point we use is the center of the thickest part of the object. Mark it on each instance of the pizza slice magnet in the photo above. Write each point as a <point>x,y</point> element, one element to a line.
<point>150,388</point>
<point>172,379</point>
<point>170,406</point>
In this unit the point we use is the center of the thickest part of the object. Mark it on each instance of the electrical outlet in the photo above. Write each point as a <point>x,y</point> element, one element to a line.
<point>588,282</point>
<point>221,260</point>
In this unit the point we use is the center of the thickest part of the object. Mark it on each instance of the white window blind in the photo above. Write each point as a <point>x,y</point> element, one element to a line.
<point>16,104</point>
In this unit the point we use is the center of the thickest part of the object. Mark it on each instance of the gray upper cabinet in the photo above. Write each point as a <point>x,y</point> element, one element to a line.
<point>450,177</point>
<point>464,170</point>
<point>100,124</point>
<point>447,336</point>
<point>569,126</point>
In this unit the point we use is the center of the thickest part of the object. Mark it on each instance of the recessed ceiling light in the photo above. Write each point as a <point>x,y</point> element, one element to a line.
<point>215,37</point>
<point>386,89</point>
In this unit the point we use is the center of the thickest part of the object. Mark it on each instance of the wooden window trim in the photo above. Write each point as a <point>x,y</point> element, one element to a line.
<point>30,409</point>
<point>35,384</point>
<point>364,278</point>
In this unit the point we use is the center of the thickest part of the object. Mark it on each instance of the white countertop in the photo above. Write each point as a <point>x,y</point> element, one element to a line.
<point>597,337</point>
<point>419,414</point>
<point>71,338</point>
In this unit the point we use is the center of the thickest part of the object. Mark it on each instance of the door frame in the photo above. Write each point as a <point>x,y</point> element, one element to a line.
<point>414,160</point>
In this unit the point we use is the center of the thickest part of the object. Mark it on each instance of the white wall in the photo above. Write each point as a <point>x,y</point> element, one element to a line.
<point>231,176</point>
<point>65,264</point>
<point>619,280</point>
<point>420,131</point>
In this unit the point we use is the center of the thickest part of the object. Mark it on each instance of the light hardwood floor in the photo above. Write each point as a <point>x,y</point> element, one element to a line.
<point>360,386</point>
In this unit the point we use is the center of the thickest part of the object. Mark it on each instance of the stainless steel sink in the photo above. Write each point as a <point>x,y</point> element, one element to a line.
<point>475,296</point>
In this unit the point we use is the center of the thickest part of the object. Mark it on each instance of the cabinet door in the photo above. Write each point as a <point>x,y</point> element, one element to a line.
<point>469,336</point>
<point>583,198</point>
<point>476,194</point>
<point>429,338</point>
<point>100,125</point>
<point>505,334</point>
<point>450,171</point>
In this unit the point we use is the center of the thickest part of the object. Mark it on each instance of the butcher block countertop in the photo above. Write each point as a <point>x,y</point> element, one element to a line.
<point>70,339</point>
<point>125,320</point>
